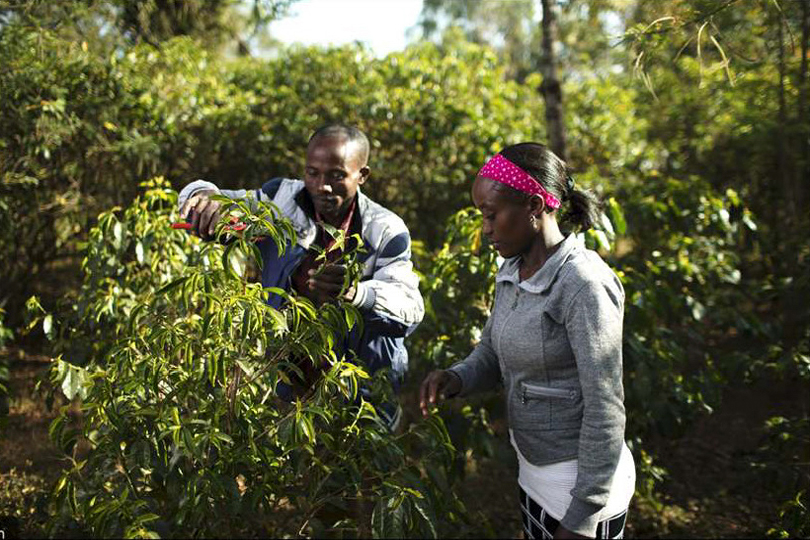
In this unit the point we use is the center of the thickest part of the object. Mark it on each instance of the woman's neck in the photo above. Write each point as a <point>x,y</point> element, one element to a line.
<point>546,242</point>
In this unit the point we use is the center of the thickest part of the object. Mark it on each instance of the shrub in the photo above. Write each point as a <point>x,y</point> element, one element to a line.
<point>180,419</point>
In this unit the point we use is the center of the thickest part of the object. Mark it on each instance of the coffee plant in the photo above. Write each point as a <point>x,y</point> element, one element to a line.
<point>176,356</point>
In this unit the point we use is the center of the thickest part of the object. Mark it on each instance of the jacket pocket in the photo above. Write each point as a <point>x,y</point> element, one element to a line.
<point>533,391</point>
<point>544,407</point>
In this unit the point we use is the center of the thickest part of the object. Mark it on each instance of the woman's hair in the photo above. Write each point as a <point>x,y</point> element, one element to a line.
<point>580,208</point>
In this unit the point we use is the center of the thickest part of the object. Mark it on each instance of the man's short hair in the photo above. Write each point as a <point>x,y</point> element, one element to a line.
<point>350,133</point>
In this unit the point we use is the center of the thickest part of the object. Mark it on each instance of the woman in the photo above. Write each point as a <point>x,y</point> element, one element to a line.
<point>554,340</point>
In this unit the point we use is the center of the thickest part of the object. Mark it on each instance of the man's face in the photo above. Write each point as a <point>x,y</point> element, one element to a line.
<point>333,170</point>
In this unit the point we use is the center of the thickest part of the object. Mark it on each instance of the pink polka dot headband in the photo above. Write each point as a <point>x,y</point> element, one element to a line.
<point>504,171</point>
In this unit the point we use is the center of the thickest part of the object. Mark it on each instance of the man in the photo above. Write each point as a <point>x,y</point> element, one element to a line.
<point>387,295</point>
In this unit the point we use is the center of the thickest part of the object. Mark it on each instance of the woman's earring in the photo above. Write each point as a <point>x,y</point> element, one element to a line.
<point>533,222</point>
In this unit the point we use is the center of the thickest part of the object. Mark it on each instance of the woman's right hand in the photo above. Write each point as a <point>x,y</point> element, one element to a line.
<point>437,386</point>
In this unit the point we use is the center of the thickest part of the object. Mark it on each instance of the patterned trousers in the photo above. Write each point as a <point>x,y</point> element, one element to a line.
<point>538,524</point>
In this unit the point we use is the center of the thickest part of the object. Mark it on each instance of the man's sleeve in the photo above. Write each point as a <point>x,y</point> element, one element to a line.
<point>391,297</point>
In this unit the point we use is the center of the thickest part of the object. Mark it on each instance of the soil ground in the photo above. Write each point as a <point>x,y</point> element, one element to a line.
<point>717,482</point>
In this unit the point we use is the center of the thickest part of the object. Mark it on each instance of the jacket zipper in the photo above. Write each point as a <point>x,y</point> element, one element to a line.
<point>534,391</point>
<point>508,316</point>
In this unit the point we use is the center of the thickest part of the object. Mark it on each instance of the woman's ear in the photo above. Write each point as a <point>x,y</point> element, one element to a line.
<point>536,205</point>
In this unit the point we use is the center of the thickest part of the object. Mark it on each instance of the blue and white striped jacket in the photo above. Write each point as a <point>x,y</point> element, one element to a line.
<point>388,292</point>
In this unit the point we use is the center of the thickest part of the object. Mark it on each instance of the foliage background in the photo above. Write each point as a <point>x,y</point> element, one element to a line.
<point>694,127</point>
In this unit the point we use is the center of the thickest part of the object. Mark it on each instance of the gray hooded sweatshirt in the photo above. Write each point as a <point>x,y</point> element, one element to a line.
<point>555,343</point>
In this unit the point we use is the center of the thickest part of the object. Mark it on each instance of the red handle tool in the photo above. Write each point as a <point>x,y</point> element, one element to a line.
<point>237,226</point>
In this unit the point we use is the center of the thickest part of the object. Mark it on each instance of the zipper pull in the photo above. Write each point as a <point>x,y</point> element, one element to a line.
<point>523,397</point>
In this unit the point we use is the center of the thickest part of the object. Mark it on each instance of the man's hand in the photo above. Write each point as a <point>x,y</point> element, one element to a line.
<point>327,284</point>
<point>562,532</point>
<point>436,387</point>
<point>204,213</point>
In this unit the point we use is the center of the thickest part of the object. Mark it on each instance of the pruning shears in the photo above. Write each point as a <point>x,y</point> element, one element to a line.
<point>235,226</point>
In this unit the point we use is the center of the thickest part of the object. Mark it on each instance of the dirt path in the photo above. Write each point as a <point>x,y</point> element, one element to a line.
<point>719,482</point>
<point>724,480</point>
<point>29,462</point>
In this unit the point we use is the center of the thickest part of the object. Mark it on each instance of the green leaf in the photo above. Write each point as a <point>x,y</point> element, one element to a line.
<point>222,437</point>
<point>233,262</point>
<point>750,223</point>
<point>617,216</point>
<point>171,285</point>
<point>427,515</point>
<point>47,326</point>
<point>378,520</point>
<point>74,381</point>
<point>246,316</point>
<point>600,237</point>
<point>278,320</point>
<point>256,254</point>
<point>351,316</point>
<point>118,235</point>
<point>606,225</point>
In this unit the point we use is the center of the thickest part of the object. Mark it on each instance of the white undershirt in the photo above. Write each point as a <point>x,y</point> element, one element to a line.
<point>550,485</point>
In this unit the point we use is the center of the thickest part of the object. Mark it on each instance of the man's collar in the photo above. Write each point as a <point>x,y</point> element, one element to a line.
<point>541,280</point>
<point>304,201</point>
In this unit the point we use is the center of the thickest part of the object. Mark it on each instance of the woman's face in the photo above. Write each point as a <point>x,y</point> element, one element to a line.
<point>506,224</point>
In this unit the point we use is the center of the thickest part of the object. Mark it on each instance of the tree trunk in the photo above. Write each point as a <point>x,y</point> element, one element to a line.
<point>550,88</point>
<point>782,135</point>
<point>792,305</point>
<point>803,187</point>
